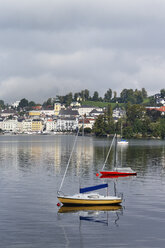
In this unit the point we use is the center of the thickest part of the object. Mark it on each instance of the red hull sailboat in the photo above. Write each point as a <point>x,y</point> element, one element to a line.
<point>116,172</point>
<point>122,172</point>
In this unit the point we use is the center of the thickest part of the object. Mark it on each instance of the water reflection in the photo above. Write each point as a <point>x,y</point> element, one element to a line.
<point>75,209</point>
<point>94,214</point>
<point>31,169</point>
<point>90,154</point>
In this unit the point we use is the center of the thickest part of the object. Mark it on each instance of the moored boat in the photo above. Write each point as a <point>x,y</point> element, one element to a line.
<point>117,171</point>
<point>84,198</point>
<point>122,142</point>
<point>89,199</point>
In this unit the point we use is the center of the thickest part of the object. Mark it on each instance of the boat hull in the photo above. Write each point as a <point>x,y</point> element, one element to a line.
<point>74,201</point>
<point>117,173</point>
<point>122,142</point>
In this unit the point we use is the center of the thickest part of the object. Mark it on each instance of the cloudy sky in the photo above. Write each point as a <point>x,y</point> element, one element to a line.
<point>51,47</point>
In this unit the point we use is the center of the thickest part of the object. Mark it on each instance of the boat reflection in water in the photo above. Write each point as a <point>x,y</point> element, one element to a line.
<point>73,209</point>
<point>96,214</point>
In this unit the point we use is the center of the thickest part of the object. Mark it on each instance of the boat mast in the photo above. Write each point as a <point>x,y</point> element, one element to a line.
<point>115,150</point>
<point>68,162</point>
<point>108,153</point>
<point>82,154</point>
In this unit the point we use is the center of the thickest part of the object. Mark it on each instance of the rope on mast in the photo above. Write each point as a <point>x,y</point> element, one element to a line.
<point>68,162</point>
<point>108,152</point>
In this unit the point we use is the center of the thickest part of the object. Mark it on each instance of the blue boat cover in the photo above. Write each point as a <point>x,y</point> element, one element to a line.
<point>87,189</point>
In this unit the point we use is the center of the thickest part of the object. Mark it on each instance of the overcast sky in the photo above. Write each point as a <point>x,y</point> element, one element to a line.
<point>51,47</point>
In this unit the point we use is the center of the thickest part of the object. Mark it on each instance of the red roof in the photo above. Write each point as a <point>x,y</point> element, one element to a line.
<point>161,109</point>
<point>36,107</point>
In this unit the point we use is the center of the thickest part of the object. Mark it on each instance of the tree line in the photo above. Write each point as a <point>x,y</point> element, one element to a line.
<point>127,95</point>
<point>138,122</point>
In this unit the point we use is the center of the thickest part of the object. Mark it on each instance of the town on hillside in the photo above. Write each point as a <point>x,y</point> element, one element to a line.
<point>139,115</point>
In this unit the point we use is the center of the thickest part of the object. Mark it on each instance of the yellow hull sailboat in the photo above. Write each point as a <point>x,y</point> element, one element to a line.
<point>90,198</point>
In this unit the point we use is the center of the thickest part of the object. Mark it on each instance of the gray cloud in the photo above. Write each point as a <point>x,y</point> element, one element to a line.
<point>56,46</point>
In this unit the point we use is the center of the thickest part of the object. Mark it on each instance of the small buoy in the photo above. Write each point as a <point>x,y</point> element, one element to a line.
<point>58,204</point>
<point>97,174</point>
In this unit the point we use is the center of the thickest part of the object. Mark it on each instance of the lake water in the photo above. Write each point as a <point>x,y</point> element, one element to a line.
<point>31,170</point>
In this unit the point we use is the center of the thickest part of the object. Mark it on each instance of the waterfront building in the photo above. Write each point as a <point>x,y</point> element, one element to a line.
<point>47,112</point>
<point>118,113</point>
<point>160,109</point>
<point>160,101</point>
<point>34,113</point>
<point>86,110</point>
<point>50,125</point>
<point>96,113</point>
<point>26,126</point>
<point>68,113</point>
<point>87,123</point>
<point>75,104</point>
<point>37,125</point>
<point>66,124</point>
<point>1,123</point>
<point>15,104</point>
<point>57,108</point>
<point>7,113</point>
<point>9,125</point>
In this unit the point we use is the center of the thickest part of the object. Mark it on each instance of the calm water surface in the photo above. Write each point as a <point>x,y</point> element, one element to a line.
<point>31,170</point>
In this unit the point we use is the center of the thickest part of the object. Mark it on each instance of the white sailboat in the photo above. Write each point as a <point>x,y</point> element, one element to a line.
<point>122,141</point>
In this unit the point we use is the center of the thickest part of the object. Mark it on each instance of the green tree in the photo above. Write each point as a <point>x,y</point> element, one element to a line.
<point>23,103</point>
<point>146,126</point>
<point>114,96</point>
<point>95,96</point>
<point>137,126</point>
<point>128,132</point>
<point>153,114</point>
<point>82,95</point>
<point>144,93</point>
<point>68,99</point>
<point>162,128</point>
<point>110,125</point>
<point>2,105</point>
<point>138,96</point>
<point>100,126</point>
<point>76,96</point>
<point>127,95</point>
<point>108,96</point>
<point>162,92</point>
<point>49,102</point>
<point>109,113</point>
<point>134,112</point>
<point>154,129</point>
<point>152,101</point>
<point>86,94</point>
<point>31,104</point>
